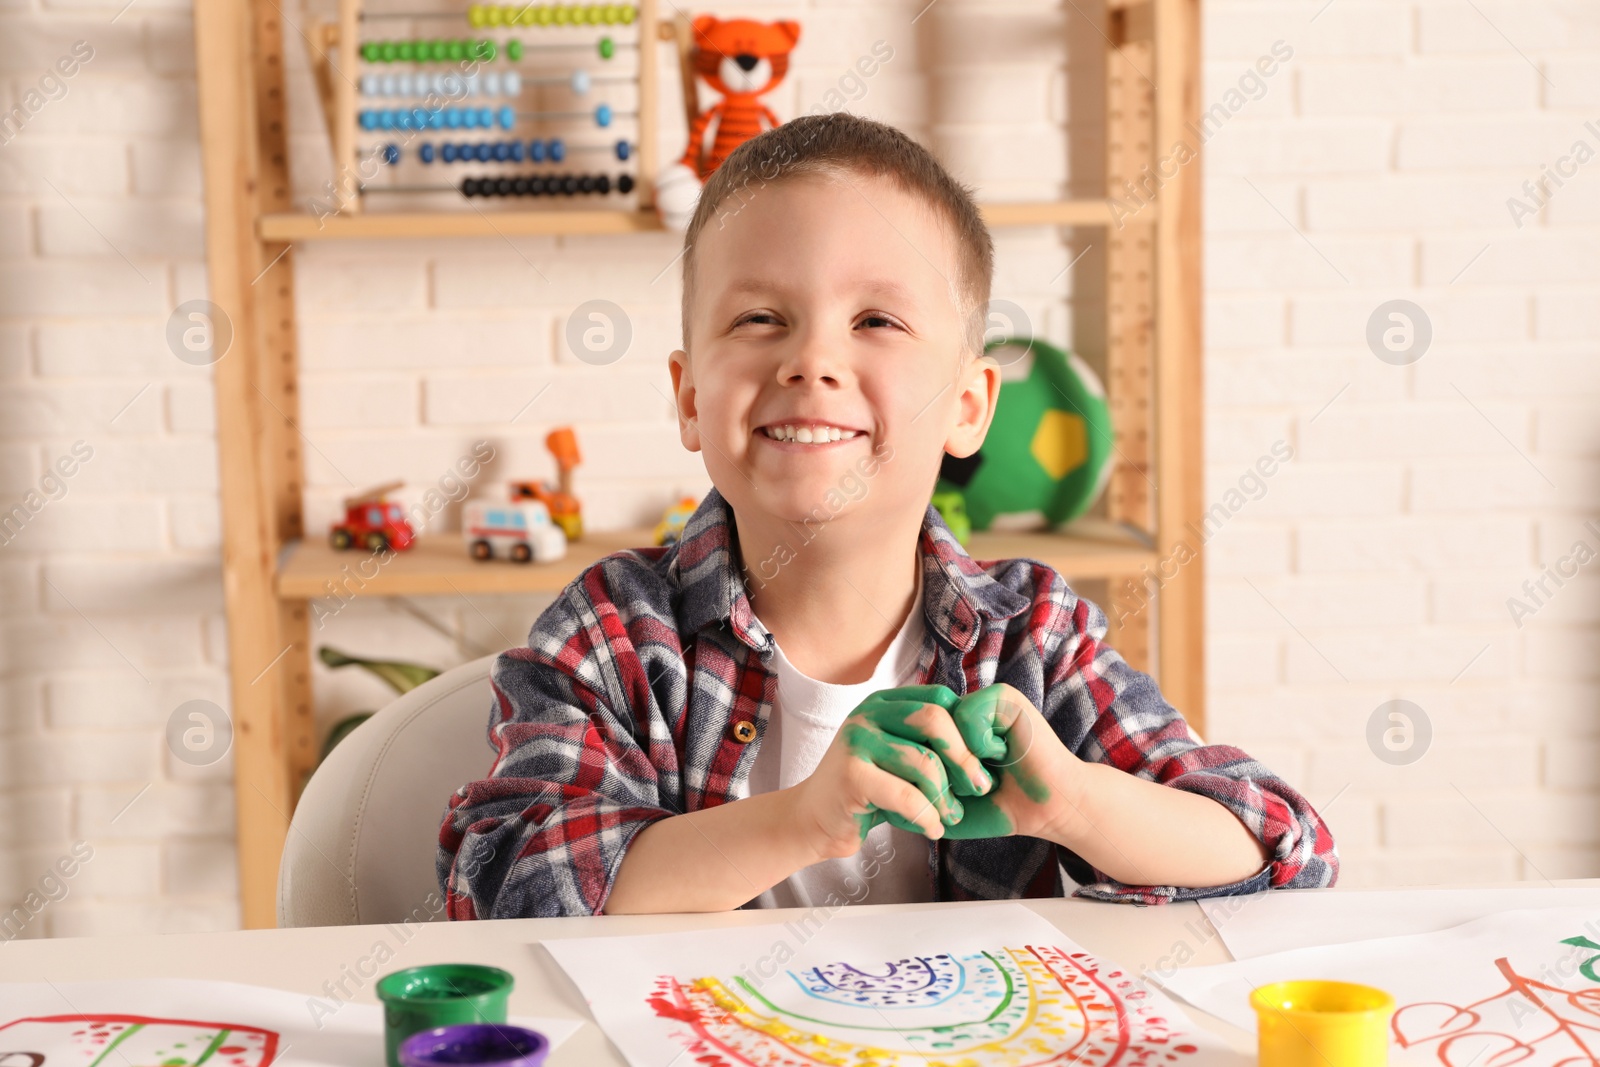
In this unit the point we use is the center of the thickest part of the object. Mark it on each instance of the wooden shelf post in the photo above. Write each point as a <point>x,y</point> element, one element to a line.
<point>239,51</point>
<point>1180,444</point>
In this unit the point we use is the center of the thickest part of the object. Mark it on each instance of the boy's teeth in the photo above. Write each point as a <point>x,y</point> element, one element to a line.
<point>809,434</point>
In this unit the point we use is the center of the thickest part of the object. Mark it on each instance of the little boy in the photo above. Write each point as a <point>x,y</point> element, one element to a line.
<point>816,695</point>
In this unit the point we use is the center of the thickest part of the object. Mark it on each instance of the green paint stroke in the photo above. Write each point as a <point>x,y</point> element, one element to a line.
<point>216,1043</point>
<point>129,1032</point>
<point>1587,969</point>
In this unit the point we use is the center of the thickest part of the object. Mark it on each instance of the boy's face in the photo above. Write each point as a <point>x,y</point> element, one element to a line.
<point>829,301</point>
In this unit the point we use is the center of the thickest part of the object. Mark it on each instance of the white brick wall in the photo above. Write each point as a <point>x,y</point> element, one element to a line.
<point>1375,166</point>
<point>1418,501</point>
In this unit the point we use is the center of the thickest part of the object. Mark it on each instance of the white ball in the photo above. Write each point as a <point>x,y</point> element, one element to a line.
<point>491,83</point>
<point>388,85</point>
<point>511,81</point>
<point>677,193</point>
<point>369,85</point>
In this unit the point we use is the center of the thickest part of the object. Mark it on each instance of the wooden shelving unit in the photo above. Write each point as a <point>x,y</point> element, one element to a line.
<point>1152,366</point>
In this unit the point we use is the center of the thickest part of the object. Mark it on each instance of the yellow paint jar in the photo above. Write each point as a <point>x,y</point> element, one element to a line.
<point>1322,1024</point>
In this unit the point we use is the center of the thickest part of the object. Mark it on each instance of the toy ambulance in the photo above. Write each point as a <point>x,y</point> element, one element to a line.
<point>521,532</point>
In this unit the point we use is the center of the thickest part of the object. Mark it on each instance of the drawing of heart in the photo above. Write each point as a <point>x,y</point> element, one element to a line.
<point>1469,1049</point>
<point>1431,1020</point>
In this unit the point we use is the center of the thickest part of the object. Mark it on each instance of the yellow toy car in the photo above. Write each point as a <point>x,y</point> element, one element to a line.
<point>670,528</point>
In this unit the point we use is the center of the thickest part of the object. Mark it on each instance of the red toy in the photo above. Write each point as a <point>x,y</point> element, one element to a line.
<point>743,60</point>
<point>373,522</point>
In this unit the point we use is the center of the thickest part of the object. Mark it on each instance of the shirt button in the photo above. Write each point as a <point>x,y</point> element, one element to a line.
<point>744,731</point>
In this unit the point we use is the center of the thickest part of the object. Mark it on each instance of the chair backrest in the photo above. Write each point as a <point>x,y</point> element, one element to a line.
<point>362,842</point>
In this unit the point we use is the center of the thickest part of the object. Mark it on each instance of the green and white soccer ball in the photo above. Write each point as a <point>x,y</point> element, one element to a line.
<point>1048,453</point>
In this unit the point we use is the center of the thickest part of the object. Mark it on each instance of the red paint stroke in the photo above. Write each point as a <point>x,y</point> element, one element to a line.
<point>1420,1023</point>
<point>679,1008</point>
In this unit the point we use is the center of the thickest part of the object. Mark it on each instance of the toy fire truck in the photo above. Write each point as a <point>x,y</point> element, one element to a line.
<point>373,522</point>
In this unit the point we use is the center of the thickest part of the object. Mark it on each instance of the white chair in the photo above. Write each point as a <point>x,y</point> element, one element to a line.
<point>364,835</point>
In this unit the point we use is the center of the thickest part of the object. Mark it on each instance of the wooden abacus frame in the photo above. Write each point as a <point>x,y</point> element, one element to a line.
<point>341,105</point>
<point>271,569</point>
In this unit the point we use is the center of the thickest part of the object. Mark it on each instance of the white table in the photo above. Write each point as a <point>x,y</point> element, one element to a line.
<point>303,960</point>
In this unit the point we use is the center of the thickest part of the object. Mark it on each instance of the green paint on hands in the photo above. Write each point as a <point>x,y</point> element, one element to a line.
<point>880,732</point>
<point>978,717</point>
<point>982,819</point>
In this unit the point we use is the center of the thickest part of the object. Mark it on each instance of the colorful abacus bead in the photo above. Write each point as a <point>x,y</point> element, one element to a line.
<point>546,185</point>
<point>425,152</point>
<point>391,154</point>
<point>435,51</point>
<point>421,118</point>
<point>602,115</point>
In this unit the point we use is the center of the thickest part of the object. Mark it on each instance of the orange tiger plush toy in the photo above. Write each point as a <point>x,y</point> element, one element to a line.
<point>742,60</point>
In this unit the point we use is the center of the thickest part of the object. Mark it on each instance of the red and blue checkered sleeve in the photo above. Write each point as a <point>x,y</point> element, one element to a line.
<point>1111,713</point>
<point>544,834</point>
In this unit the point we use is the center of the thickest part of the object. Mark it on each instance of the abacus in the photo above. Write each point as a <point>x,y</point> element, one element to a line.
<point>420,109</point>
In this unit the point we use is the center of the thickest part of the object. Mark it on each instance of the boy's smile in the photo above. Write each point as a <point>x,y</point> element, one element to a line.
<point>826,330</point>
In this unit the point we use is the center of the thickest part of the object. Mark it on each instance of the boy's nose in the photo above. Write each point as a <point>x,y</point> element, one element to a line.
<point>746,61</point>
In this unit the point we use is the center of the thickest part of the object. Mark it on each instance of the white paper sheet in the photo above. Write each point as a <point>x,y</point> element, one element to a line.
<point>982,986</point>
<point>1508,988</point>
<point>1263,923</point>
<point>182,1022</point>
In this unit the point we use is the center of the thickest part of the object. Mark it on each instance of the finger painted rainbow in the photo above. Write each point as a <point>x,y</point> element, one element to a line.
<point>1013,1007</point>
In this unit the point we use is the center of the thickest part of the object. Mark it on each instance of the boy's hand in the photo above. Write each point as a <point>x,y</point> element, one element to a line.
<point>898,758</point>
<point>1039,779</point>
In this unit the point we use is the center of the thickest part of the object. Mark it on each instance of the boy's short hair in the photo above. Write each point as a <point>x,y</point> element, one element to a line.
<point>842,143</point>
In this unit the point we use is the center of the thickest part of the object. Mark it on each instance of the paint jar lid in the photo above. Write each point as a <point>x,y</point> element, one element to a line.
<point>444,982</point>
<point>475,1045</point>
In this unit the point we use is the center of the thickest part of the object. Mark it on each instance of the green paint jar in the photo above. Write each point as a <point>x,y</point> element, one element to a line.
<point>445,994</point>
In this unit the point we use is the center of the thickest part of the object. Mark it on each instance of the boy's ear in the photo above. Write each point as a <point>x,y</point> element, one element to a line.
<point>978,394</point>
<point>683,395</point>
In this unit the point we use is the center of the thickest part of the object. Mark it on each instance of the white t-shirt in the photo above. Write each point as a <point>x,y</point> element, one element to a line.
<point>892,866</point>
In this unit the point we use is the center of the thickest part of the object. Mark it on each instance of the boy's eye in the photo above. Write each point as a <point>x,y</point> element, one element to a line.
<point>763,317</point>
<point>874,320</point>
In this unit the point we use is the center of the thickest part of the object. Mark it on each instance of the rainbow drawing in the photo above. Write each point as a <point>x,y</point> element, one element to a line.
<point>1009,1007</point>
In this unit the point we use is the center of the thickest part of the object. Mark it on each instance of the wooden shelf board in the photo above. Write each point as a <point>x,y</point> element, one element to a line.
<point>1076,556</point>
<point>304,227</point>
<point>368,225</point>
<point>439,565</point>
<point>436,566</point>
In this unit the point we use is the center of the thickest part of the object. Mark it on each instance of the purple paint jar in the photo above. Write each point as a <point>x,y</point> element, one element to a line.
<point>475,1045</point>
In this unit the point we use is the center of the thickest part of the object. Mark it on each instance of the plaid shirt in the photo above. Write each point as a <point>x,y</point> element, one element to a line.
<point>622,710</point>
